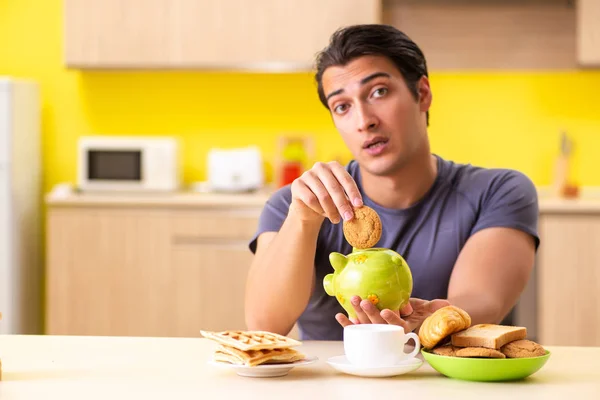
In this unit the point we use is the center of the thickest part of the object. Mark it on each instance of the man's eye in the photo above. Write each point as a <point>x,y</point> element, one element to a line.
<point>341,108</point>
<point>380,92</point>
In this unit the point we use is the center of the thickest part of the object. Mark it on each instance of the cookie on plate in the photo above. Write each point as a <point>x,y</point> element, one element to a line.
<point>522,349</point>
<point>445,350</point>
<point>364,230</point>
<point>479,352</point>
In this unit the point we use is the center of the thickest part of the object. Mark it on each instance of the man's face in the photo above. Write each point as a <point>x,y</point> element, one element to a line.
<point>379,119</point>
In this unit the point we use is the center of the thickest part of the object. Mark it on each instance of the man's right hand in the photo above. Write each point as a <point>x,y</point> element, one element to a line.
<point>325,191</point>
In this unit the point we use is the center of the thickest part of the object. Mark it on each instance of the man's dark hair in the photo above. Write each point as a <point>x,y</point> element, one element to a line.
<point>351,42</point>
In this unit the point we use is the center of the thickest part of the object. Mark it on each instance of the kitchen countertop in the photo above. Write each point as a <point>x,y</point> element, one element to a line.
<point>177,199</point>
<point>257,199</point>
<point>549,205</point>
<point>76,367</point>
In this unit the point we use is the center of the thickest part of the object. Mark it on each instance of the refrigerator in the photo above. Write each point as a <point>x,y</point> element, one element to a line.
<point>21,277</point>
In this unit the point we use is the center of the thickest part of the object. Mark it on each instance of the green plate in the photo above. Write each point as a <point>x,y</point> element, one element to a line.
<point>485,369</point>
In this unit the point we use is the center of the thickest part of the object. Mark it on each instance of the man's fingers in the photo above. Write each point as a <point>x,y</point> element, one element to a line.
<point>372,312</point>
<point>391,317</point>
<point>321,193</point>
<point>306,196</point>
<point>367,313</point>
<point>435,305</point>
<point>343,320</point>
<point>394,319</point>
<point>362,317</point>
<point>336,191</point>
<point>347,183</point>
<point>407,310</point>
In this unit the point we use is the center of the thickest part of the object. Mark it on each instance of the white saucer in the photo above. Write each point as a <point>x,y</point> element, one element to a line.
<point>342,364</point>
<point>264,370</point>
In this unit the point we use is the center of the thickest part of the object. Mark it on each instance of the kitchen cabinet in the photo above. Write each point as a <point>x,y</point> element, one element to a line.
<point>489,35</point>
<point>108,272</point>
<point>170,265</point>
<point>568,278</point>
<point>588,32</point>
<point>212,34</point>
<point>209,265</point>
<point>148,266</point>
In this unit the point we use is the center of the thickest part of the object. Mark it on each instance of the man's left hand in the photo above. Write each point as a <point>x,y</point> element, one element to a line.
<point>410,317</point>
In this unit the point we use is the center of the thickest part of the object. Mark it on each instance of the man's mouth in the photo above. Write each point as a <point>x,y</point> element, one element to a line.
<point>375,142</point>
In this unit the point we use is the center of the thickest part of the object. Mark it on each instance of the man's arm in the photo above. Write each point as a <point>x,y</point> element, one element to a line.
<point>491,273</point>
<point>281,277</point>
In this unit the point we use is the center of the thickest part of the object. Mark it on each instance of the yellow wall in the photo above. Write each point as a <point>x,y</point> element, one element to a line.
<point>491,119</point>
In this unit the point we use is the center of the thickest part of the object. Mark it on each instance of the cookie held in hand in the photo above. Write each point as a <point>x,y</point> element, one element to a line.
<point>364,230</point>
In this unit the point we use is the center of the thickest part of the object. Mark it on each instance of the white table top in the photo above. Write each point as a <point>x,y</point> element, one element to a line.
<point>70,367</point>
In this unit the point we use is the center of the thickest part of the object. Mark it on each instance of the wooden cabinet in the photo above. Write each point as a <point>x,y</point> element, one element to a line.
<point>588,32</point>
<point>172,265</point>
<point>208,286</point>
<point>163,267</point>
<point>568,278</point>
<point>286,34</point>
<point>209,265</point>
<point>205,33</point>
<point>489,35</point>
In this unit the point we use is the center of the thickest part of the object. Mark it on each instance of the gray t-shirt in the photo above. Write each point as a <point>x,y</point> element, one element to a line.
<point>429,235</point>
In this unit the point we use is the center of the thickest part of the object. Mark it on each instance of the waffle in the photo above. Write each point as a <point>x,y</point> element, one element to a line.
<point>252,358</point>
<point>251,340</point>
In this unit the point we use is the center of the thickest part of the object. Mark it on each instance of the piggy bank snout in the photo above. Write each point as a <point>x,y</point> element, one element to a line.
<point>328,284</point>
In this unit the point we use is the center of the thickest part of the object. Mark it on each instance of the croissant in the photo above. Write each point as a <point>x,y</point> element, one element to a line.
<point>441,324</point>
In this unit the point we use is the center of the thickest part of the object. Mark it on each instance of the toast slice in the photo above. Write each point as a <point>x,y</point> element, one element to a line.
<point>488,335</point>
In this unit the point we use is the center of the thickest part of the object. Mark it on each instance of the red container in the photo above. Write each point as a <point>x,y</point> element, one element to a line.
<point>290,171</point>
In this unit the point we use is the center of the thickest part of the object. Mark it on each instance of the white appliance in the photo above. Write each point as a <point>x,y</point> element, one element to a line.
<point>235,170</point>
<point>128,164</point>
<point>20,202</point>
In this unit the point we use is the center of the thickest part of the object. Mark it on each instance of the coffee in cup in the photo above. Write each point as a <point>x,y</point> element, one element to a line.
<point>378,345</point>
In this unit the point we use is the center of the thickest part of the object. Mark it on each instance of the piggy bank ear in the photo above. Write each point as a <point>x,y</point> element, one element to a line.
<point>338,261</point>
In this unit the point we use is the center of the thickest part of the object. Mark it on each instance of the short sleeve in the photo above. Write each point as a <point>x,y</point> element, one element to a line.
<point>510,201</point>
<point>273,214</point>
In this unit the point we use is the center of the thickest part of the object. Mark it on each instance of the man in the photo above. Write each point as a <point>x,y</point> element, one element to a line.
<point>469,234</point>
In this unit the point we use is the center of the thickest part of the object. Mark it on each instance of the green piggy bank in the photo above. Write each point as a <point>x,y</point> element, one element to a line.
<point>379,275</point>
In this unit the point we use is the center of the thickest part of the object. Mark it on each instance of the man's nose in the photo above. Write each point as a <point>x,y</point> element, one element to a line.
<point>367,120</point>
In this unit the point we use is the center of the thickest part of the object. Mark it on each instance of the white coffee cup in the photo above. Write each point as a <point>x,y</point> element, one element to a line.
<point>377,345</point>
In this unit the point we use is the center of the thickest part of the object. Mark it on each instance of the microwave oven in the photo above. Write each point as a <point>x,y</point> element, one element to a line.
<point>128,164</point>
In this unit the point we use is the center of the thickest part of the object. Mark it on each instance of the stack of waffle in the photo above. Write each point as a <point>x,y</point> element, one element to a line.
<point>252,348</point>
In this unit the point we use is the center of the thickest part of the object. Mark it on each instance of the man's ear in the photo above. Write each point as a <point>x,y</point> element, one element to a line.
<point>425,96</point>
